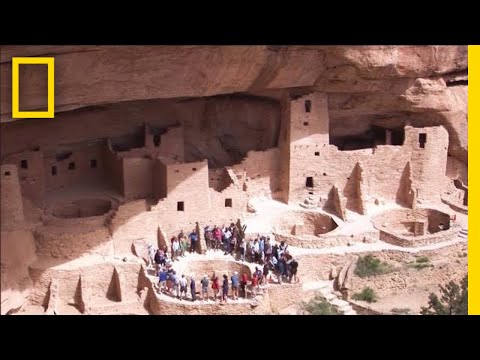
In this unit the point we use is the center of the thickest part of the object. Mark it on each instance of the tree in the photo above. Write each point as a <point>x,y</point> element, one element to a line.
<point>453,300</point>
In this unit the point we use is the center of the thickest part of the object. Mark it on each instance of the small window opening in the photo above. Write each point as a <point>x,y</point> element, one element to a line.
<point>308,106</point>
<point>93,163</point>
<point>71,166</point>
<point>6,173</point>
<point>422,139</point>
<point>309,182</point>
<point>180,206</point>
<point>317,153</point>
<point>305,123</point>
<point>156,140</point>
<point>24,164</point>
<point>54,170</point>
<point>228,202</point>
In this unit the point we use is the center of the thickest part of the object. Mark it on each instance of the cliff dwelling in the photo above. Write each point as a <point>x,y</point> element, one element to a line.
<point>316,157</point>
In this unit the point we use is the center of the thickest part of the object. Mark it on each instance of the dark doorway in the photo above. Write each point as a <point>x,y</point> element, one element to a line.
<point>309,182</point>
<point>24,164</point>
<point>308,106</point>
<point>156,140</point>
<point>54,170</point>
<point>93,163</point>
<point>180,206</point>
<point>422,139</point>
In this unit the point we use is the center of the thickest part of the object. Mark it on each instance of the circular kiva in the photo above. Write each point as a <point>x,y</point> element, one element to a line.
<point>405,227</point>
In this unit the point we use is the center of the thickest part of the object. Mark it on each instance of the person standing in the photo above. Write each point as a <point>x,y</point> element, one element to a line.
<point>192,289</point>
<point>235,283</point>
<point>224,289</point>
<point>193,241</point>
<point>204,283</point>
<point>244,284</point>
<point>216,288</point>
<point>183,287</point>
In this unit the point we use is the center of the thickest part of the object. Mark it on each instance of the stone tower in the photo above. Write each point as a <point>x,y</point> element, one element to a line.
<point>11,195</point>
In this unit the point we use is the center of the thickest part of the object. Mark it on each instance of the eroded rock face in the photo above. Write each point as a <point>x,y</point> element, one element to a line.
<point>423,85</point>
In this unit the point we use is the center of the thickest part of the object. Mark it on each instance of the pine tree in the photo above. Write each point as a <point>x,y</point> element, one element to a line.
<point>453,300</point>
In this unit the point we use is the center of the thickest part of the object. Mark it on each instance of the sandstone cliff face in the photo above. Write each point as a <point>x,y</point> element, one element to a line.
<point>424,85</point>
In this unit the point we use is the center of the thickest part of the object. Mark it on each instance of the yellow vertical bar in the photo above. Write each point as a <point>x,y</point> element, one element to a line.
<point>51,94</point>
<point>15,87</point>
<point>473,198</point>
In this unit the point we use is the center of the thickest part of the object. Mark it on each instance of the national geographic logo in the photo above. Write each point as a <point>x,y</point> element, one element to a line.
<point>16,113</point>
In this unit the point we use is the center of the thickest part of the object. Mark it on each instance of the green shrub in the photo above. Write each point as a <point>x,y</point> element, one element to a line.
<point>422,259</point>
<point>420,266</point>
<point>320,306</point>
<point>401,311</point>
<point>367,294</point>
<point>370,266</point>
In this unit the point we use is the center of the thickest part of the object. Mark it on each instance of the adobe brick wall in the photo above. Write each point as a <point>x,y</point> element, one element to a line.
<point>83,174</point>
<point>172,144</point>
<point>382,167</point>
<point>262,170</point>
<point>32,179</point>
<point>70,243</point>
<point>327,240</point>
<point>113,167</point>
<point>428,164</point>
<point>91,283</point>
<point>137,178</point>
<point>17,253</point>
<point>11,210</point>
<point>285,295</point>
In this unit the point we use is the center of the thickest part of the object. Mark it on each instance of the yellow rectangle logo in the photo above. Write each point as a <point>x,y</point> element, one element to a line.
<point>16,113</point>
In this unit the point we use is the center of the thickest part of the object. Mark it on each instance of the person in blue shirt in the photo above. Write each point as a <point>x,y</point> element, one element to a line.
<point>235,283</point>
<point>193,240</point>
<point>162,279</point>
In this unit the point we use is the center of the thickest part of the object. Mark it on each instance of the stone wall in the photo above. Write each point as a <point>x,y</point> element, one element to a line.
<point>327,240</point>
<point>11,210</point>
<point>70,243</point>
<point>283,296</point>
<point>77,164</point>
<point>30,170</point>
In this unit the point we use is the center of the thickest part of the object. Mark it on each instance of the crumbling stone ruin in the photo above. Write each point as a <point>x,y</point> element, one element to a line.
<point>338,152</point>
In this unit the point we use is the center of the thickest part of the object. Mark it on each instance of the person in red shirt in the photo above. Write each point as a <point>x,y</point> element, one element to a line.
<point>215,287</point>
<point>243,284</point>
<point>254,283</point>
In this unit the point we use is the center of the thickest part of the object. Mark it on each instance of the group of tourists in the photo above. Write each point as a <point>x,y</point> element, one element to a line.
<point>275,264</point>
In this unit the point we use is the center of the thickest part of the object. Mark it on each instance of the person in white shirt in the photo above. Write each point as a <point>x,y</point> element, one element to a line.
<point>183,287</point>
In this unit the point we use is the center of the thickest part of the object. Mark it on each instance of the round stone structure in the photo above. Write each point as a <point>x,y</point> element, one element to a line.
<point>307,229</point>
<point>410,228</point>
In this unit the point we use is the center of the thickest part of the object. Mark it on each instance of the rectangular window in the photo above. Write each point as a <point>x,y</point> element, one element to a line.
<point>309,182</point>
<point>24,164</point>
<point>308,106</point>
<point>180,206</point>
<point>422,139</point>
<point>54,170</point>
<point>305,123</point>
<point>317,153</point>
<point>71,166</point>
<point>93,163</point>
<point>6,173</point>
<point>228,202</point>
